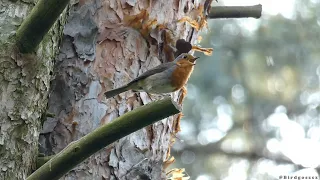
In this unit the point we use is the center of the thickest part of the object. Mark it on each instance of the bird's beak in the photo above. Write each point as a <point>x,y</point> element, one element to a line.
<point>194,59</point>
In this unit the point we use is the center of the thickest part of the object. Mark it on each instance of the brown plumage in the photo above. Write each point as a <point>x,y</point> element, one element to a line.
<point>181,74</point>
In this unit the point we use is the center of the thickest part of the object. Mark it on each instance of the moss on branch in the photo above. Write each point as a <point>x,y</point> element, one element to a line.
<point>124,125</point>
<point>235,11</point>
<point>38,23</point>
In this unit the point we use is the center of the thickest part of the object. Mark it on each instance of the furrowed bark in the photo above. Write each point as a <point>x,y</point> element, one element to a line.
<point>25,81</point>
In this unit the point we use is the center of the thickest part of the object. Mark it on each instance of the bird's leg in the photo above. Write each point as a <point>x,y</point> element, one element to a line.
<point>182,94</point>
<point>150,97</point>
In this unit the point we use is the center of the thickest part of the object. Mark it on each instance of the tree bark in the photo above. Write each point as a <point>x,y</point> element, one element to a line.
<point>105,46</point>
<point>24,80</point>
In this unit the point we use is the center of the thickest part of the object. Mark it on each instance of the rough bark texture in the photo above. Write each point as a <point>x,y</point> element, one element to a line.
<point>24,87</point>
<point>101,51</point>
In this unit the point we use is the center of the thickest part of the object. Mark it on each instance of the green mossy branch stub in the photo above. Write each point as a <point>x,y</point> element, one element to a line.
<point>38,23</point>
<point>217,12</point>
<point>124,125</point>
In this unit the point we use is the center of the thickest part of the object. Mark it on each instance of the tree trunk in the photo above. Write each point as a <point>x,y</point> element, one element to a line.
<point>24,87</point>
<point>105,46</point>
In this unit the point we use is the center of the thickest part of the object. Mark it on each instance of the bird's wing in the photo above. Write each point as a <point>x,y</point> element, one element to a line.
<point>155,70</point>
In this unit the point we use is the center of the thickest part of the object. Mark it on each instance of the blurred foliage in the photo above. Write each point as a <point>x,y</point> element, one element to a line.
<point>253,107</point>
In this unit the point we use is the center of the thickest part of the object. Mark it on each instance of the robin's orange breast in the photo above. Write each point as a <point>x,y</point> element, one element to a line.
<point>180,76</point>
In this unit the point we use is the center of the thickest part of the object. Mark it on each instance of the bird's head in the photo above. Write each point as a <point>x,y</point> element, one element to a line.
<point>186,59</point>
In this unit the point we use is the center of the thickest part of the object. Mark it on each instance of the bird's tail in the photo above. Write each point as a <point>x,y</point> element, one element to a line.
<point>117,91</point>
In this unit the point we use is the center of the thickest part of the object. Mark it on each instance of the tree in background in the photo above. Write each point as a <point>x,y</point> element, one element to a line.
<point>252,111</point>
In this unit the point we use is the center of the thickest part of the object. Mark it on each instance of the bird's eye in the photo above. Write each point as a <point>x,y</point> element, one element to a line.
<point>185,57</point>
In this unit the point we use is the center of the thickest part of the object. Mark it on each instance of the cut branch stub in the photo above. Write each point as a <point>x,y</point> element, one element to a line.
<point>124,125</point>
<point>235,12</point>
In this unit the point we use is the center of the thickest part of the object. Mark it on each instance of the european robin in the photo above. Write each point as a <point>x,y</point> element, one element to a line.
<point>165,78</point>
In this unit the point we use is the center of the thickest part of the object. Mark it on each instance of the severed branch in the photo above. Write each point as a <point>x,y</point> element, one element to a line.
<point>235,12</point>
<point>38,23</point>
<point>81,149</point>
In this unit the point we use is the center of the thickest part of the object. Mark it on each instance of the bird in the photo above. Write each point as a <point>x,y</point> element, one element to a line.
<point>164,78</point>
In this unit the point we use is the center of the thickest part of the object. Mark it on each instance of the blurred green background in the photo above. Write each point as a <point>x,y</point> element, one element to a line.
<point>253,107</point>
